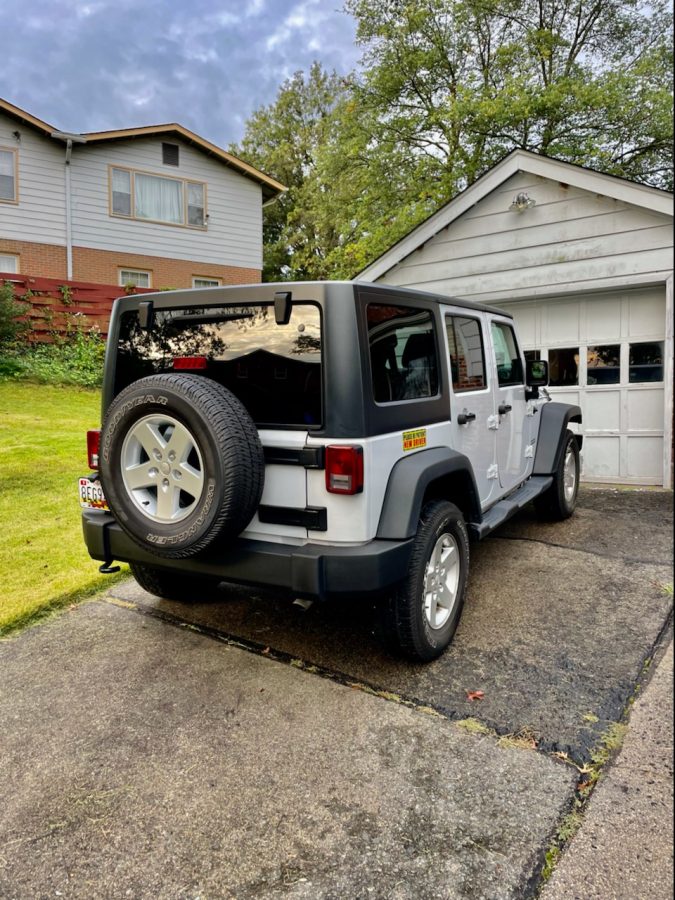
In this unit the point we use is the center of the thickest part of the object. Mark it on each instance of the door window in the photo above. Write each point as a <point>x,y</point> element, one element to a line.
<point>509,365</point>
<point>467,356</point>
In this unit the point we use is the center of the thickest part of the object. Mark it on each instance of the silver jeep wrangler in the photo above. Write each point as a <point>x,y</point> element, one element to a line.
<point>324,438</point>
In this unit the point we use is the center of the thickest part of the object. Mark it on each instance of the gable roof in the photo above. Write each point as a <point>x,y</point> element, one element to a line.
<point>271,188</point>
<point>611,186</point>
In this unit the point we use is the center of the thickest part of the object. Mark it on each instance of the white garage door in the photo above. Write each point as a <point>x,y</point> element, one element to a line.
<point>606,354</point>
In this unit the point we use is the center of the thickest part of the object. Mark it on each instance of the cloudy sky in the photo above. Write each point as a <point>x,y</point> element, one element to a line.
<point>91,65</point>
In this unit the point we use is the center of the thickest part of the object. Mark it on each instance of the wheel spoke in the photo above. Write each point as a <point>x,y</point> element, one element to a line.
<point>147,434</point>
<point>180,443</point>
<point>191,480</point>
<point>136,477</point>
<point>167,502</point>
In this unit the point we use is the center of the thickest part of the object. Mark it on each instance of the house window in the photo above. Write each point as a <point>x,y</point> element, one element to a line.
<point>199,282</point>
<point>9,263</point>
<point>170,154</point>
<point>467,359</point>
<point>8,177</point>
<point>136,277</point>
<point>153,198</point>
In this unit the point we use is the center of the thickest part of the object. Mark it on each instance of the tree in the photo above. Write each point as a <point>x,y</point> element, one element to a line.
<point>449,87</point>
<point>284,139</point>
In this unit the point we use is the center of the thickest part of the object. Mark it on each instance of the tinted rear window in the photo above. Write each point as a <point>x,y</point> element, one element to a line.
<point>275,370</point>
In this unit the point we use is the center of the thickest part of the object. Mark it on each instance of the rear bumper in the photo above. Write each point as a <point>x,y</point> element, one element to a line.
<point>312,570</point>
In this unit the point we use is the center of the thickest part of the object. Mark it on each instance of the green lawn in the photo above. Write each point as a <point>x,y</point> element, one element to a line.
<point>43,561</point>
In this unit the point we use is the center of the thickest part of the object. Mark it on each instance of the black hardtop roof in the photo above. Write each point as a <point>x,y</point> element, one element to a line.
<point>265,292</point>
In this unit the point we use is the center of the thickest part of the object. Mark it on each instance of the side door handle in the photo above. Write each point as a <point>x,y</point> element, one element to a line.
<point>465,416</point>
<point>503,408</point>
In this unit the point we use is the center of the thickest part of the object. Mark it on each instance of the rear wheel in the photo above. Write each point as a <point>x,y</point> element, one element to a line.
<point>172,585</point>
<point>421,617</point>
<point>560,500</point>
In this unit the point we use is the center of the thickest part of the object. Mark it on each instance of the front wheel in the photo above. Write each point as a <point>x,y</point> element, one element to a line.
<point>421,617</point>
<point>560,500</point>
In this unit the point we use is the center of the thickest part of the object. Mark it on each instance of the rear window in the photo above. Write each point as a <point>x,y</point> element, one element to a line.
<point>275,370</point>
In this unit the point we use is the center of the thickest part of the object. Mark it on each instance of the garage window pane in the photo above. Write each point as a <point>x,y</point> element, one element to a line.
<point>645,362</point>
<point>563,366</point>
<point>602,364</point>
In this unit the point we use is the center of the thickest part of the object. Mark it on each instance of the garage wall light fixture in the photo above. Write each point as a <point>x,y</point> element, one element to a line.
<point>521,202</point>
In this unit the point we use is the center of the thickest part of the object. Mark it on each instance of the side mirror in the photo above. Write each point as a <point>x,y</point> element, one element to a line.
<point>536,373</point>
<point>536,376</point>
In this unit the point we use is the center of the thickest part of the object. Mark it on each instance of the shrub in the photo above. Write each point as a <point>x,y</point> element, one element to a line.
<point>74,359</point>
<point>11,325</point>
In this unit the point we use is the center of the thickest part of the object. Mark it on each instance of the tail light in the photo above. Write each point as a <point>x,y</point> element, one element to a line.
<point>344,470</point>
<point>189,363</point>
<point>93,441</point>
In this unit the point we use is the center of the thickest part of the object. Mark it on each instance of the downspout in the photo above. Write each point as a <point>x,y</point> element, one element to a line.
<point>69,139</point>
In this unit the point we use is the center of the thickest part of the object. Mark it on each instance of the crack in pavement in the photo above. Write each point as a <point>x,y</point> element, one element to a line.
<point>630,559</point>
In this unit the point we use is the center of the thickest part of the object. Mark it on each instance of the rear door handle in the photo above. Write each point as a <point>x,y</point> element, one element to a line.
<point>465,417</point>
<point>503,408</point>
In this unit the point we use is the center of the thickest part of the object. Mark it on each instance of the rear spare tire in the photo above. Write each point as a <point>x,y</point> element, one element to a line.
<point>181,463</point>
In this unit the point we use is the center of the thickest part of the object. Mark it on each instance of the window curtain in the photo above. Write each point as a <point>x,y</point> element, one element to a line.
<point>159,198</point>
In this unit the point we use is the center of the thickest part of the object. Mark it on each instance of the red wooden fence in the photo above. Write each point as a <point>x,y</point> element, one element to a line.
<point>58,307</point>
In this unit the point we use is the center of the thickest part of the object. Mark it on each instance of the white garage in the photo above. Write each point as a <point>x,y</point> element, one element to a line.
<point>584,262</point>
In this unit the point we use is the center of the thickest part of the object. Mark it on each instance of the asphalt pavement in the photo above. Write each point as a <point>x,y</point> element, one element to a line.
<point>242,746</point>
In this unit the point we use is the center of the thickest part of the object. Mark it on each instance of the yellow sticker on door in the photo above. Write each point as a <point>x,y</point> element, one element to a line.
<point>413,440</point>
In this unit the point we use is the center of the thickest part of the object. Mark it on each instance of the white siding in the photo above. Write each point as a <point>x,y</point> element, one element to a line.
<point>234,205</point>
<point>40,214</point>
<point>570,239</point>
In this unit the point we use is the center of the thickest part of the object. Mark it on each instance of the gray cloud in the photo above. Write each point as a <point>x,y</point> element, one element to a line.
<point>91,66</point>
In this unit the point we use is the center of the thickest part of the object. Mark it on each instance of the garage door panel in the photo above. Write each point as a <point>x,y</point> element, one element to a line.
<point>645,410</point>
<point>560,324</point>
<point>601,456</point>
<point>603,320</point>
<point>645,315</point>
<point>644,456</point>
<point>603,410</point>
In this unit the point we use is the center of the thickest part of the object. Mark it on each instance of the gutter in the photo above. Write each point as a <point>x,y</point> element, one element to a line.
<point>69,139</point>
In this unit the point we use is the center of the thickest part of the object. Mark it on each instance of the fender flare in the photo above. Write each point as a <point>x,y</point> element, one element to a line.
<point>407,484</point>
<point>555,417</point>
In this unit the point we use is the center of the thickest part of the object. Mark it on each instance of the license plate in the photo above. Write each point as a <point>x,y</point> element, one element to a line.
<point>91,495</point>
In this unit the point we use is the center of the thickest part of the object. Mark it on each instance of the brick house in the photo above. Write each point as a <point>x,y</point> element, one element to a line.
<point>156,206</point>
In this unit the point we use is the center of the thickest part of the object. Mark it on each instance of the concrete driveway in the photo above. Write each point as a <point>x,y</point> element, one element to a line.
<point>242,746</point>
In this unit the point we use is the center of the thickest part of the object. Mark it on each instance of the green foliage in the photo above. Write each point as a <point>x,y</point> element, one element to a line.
<point>76,359</point>
<point>446,89</point>
<point>11,325</point>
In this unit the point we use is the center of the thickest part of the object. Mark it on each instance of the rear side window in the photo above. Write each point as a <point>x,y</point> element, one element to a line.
<point>467,357</point>
<point>403,355</point>
<point>275,370</point>
<point>509,366</point>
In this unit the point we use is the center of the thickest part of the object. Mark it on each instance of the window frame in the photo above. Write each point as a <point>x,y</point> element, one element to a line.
<point>486,381</point>
<point>15,154</point>
<point>17,259</point>
<point>123,283</point>
<point>218,282</point>
<point>184,194</point>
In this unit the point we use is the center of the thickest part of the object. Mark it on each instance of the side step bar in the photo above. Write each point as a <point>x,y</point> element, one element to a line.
<point>504,509</point>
